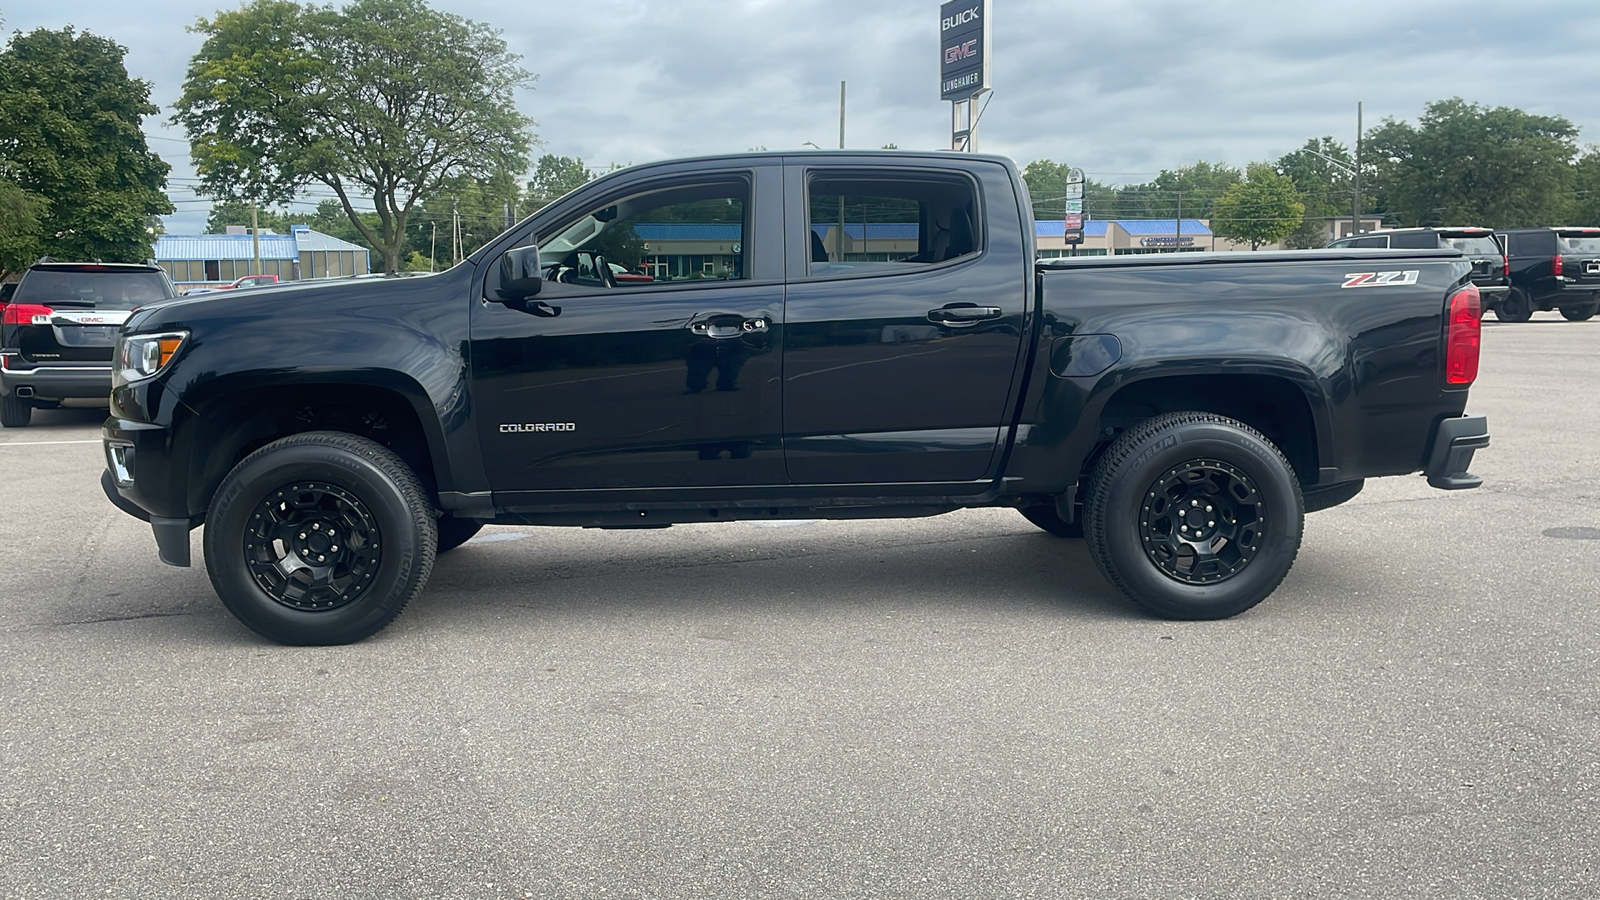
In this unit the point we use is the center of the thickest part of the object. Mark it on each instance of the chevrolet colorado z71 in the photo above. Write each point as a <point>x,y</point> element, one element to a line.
<point>823,335</point>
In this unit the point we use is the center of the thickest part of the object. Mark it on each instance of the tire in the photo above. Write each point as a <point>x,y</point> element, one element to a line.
<point>15,412</point>
<point>1514,307</point>
<point>1579,313</point>
<point>1048,519</point>
<point>1136,507</point>
<point>454,532</point>
<point>322,493</point>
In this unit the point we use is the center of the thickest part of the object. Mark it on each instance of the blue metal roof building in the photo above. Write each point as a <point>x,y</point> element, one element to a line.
<point>194,260</point>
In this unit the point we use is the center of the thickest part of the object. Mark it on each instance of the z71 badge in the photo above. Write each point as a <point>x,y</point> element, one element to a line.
<point>1379,279</point>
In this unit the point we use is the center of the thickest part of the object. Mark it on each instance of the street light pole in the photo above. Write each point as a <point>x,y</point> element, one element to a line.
<point>1355,211</point>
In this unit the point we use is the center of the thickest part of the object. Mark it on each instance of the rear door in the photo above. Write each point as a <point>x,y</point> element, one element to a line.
<point>905,313</point>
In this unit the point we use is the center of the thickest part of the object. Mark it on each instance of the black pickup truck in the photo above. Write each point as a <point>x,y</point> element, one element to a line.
<point>823,335</point>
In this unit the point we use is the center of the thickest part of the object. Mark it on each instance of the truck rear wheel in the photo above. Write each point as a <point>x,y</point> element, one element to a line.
<point>1514,307</point>
<point>319,538</point>
<point>1194,516</point>
<point>1579,313</point>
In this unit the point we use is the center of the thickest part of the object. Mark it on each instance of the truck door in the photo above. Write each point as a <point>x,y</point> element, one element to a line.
<point>650,357</point>
<point>903,324</point>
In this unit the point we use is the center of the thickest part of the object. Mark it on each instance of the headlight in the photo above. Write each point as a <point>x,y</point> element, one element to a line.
<point>140,356</point>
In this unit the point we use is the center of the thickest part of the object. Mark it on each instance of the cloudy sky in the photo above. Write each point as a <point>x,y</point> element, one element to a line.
<point>1121,88</point>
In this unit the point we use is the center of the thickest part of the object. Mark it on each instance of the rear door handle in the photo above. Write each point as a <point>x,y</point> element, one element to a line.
<point>721,326</point>
<point>961,315</point>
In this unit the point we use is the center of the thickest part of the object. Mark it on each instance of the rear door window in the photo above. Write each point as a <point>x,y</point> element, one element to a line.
<point>1371,242</point>
<point>1421,240</point>
<point>870,226</point>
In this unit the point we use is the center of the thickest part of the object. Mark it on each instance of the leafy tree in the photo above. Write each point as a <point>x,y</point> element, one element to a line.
<point>1467,164</point>
<point>387,99</point>
<point>1047,186</point>
<point>1263,209</point>
<point>554,176</point>
<point>237,212</point>
<point>77,180</point>
<point>1585,208</point>
<point>1322,172</point>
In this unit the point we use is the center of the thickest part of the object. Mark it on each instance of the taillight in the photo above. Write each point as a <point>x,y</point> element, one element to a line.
<point>26,314</point>
<point>1555,265</point>
<point>1463,336</point>
<point>1505,266</point>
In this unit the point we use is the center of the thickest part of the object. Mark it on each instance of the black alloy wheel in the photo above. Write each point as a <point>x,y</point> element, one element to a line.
<point>319,538</point>
<point>1202,521</point>
<point>1193,516</point>
<point>1514,307</point>
<point>312,546</point>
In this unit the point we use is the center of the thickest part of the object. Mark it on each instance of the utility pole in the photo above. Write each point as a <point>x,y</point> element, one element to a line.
<point>1355,210</point>
<point>255,237</point>
<point>841,115</point>
<point>433,246</point>
<point>1177,234</point>
<point>455,230</point>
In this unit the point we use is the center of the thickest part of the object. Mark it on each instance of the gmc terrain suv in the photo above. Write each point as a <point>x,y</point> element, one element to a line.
<point>58,332</point>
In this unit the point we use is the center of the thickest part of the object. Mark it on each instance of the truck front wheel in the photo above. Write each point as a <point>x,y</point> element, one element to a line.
<point>1194,516</point>
<point>319,538</point>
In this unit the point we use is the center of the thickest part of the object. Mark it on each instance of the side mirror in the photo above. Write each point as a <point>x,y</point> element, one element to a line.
<point>520,275</point>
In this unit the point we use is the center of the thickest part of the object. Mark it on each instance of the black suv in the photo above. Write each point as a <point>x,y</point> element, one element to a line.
<point>1552,268</point>
<point>1490,268</point>
<point>59,329</point>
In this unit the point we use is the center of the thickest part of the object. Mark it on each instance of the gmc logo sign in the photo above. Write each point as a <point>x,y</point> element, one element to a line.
<point>960,52</point>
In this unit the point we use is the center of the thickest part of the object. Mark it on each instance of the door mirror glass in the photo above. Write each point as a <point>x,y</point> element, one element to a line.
<point>520,275</point>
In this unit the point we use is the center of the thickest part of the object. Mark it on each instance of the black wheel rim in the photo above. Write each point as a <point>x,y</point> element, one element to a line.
<point>1202,522</point>
<point>312,546</point>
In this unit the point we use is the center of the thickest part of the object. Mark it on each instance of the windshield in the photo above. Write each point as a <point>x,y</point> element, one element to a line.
<point>1481,245</point>
<point>91,290</point>
<point>1568,244</point>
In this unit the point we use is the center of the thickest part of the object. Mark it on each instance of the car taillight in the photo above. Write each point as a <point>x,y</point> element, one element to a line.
<point>1505,266</point>
<point>26,314</point>
<point>1463,336</point>
<point>1555,265</point>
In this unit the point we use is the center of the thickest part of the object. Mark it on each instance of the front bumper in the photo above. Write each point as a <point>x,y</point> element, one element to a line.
<point>140,480</point>
<point>1454,441</point>
<point>24,379</point>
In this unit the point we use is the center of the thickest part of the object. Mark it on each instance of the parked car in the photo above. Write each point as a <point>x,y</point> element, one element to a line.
<point>1552,268</point>
<point>59,330</point>
<point>1490,269</point>
<point>246,281</point>
<point>6,290</point>
<point>621,273</point>
<point>1181,412</point>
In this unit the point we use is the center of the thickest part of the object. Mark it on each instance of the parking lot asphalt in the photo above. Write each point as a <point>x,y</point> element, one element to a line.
<point>954,707</point>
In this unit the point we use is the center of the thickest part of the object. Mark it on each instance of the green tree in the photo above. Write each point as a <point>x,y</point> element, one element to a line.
<point>1465,164</point>
<point>237,212</point>
<point>1047,187</point>
<point>1263,209</point>
<point>383,99</point>
<point>77,180</point>
<point>554,176</point>
<point>1323,174</point>
<point>1585,208</point>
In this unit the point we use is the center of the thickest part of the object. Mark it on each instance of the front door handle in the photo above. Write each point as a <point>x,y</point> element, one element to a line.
<point>962,315</point>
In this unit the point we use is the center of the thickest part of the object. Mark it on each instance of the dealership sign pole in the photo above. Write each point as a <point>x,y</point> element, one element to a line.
<point>1074,215</point>
<point>963,66</point>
